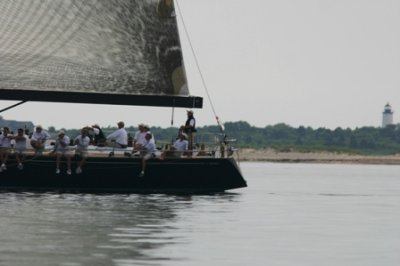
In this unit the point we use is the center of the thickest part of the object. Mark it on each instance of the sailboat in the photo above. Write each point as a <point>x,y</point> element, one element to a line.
<point>119,52</point>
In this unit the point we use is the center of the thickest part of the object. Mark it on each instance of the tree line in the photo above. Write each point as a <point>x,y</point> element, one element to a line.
<point>364,140</point>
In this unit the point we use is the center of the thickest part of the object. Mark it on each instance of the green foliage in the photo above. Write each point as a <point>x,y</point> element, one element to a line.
<point>13,125</point>
<point>364,140</point>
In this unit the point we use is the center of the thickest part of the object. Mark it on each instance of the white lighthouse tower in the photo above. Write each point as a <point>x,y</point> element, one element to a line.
<point>387,116</point>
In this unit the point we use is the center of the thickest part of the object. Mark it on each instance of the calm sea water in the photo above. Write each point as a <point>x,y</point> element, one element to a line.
<point>291,214</point>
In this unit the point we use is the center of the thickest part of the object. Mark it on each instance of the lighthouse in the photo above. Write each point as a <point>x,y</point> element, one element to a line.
<point>387,116</point>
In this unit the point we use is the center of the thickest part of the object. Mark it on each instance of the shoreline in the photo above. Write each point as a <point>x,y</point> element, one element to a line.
<point>270,155</point>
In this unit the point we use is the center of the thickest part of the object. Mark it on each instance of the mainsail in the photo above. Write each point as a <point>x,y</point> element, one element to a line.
<point>92,51</point>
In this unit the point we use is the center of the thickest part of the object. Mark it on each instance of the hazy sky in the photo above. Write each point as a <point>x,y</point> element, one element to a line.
<point>318,63</point>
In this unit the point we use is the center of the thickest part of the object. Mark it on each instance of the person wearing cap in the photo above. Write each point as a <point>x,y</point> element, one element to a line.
<point>139,138</point>
<point>82,142</point>
<point>190,128</point>
<point>62,150</point>
<point>179,148</point>
<point>149,149</point>
<point>38,140</point>
<point>119,138</point>
<point>5,146</point>
<point>181,144</point>
<point>147,128</point>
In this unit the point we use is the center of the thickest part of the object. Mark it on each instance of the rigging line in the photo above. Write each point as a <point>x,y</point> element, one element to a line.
<point>198,68</point>
<point>172,115</point>
<point>12,106</point>
<point>172,119</point>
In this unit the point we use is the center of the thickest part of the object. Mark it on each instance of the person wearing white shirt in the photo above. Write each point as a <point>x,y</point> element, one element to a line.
<point>38,139</point>
<point>61,148</point>
<point>118,138</point>
<point>147,130</point>
<point>180,147</point>
<point>20,147</point>
<point>149,149</point>
<point>5,145</point>
<point>181,144</point>
<point>82,142</point>
<point>139,138</point>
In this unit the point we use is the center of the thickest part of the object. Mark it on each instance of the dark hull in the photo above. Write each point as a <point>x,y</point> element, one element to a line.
<point>119,175</point>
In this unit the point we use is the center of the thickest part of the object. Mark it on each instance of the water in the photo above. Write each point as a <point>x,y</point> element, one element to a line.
<point>291,214</point>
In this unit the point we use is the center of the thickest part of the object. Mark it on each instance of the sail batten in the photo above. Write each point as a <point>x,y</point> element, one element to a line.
<point>92,51</point>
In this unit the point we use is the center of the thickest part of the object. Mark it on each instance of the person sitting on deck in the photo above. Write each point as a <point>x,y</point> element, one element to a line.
<point>98,136</point>
<point>38,140</point>
<point>119,138</point>
<point>147,130</point>
<point>20,147</point>
<point>5,146</point>
<point>140,139</point>
<point>202,150</point>
<point>181,145</point>
<point>82,142</point>
<point>61,150</point>
<point>148,151</point>
<point>178,149</point>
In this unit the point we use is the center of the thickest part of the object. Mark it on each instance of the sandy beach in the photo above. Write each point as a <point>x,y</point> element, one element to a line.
<point>270,155</point>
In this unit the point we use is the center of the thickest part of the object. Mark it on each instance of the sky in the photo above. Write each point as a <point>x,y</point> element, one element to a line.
<point>317,63</point>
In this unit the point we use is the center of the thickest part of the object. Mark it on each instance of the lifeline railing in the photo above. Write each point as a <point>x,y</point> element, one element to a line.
<point>211,146</point>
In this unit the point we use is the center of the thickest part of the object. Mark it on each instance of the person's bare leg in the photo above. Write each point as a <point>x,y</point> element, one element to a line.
<point>58,158</point>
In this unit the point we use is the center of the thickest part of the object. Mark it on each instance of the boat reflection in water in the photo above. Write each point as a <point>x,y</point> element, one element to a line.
<point>79,229</point>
